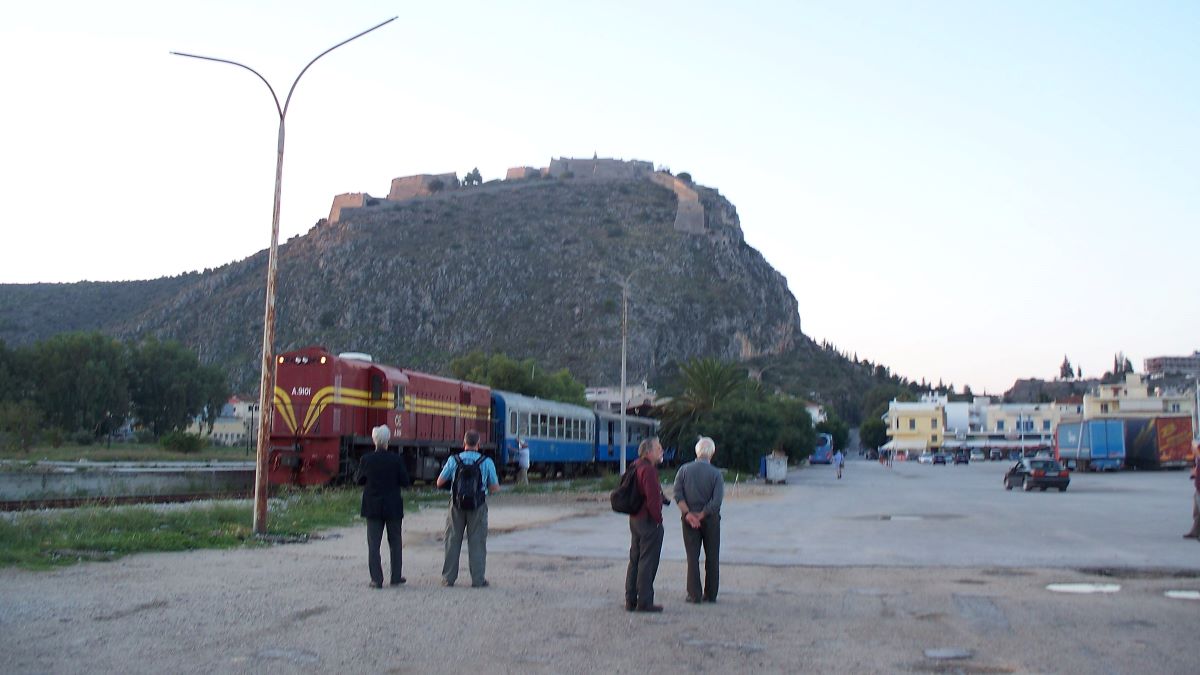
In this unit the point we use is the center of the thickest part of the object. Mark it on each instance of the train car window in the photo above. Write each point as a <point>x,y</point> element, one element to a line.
<point>555,426</point>
<point>577,427</point>
<point>525,423</point>
<point>562,428</point>
<point>541,425</point>
<point>376,388</point>
<point>512,421</point>
<point>398,393</point>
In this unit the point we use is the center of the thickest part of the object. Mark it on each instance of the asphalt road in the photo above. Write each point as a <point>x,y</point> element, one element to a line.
<point>912,569</point>
<point>920,515</point>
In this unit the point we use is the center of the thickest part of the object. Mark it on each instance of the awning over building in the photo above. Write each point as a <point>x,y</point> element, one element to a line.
<point>904,444</point>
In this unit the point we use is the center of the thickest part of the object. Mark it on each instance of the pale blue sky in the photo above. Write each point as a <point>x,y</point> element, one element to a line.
<point>964,191</point>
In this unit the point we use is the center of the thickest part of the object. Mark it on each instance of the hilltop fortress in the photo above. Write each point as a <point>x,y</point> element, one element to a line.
<point>690,215</point>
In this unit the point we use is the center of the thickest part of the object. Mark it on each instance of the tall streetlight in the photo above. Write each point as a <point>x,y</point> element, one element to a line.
<point>624,337</point>
<point>267,392</point>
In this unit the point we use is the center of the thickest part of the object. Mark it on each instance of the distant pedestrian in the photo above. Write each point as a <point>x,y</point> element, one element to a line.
<point>839,460</point>
<point>1195,532</point>
<point>471,476</point>
<point>699,491</point>
<point>646,531</point>
<point>522,462</point>
<point>382,474</point>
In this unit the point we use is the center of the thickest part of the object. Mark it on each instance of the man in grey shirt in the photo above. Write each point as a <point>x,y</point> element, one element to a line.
<point>699,489</point>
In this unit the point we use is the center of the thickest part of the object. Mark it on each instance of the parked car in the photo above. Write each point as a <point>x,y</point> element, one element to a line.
<point>995,455</point>
<point>939,458</point>
<point>961,457</point>
<point>977,456</point>
<point>1037,473</point>
<point>925,458</point>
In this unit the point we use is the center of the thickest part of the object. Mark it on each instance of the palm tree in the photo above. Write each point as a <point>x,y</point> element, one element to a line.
<point>707,383</point>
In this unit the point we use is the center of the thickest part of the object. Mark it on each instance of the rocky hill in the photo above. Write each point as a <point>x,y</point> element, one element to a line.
<point>531,268</point>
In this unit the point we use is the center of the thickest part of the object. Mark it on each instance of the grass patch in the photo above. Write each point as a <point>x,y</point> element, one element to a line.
<point>43,540</point>
<point>126,452</point>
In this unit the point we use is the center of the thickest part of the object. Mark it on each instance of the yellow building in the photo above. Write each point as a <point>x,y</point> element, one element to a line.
<point>915,427</point>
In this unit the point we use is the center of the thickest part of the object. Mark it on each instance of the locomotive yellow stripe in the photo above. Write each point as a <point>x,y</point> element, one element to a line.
<point>283,404</point>
<point>359,398</point>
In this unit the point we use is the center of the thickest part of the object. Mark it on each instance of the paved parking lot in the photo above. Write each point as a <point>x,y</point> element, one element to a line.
<point>884,571</point>
<point>926,515</point>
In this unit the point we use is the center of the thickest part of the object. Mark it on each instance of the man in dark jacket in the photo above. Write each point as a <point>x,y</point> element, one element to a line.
<point>383,474</point>
<point>646,531</point>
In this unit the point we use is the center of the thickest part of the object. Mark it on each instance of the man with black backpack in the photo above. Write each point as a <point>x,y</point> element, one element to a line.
<point>470,477</point>
<point>645,530</point>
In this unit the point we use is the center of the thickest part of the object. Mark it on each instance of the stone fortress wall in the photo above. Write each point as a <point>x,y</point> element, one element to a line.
<point>689,215</point>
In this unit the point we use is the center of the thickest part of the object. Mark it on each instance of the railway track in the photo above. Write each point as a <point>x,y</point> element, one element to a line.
<point>75,502</point>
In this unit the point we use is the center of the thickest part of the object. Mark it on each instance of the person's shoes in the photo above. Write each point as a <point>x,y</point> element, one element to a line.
<point>1191,535</point>
<point>447,583</point>
<point>650,608</point>
<point>630,607</point>
<point>708,599</point>
<point>693,600</point>
<point>399,582</point>
<point>482,584</point>
<point>375,584</point>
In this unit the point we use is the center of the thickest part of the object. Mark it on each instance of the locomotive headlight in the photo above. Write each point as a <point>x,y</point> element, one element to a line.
<point>304,359</point>
<point>281,359</point>
<point>297,359</point>
<point>322,360</point>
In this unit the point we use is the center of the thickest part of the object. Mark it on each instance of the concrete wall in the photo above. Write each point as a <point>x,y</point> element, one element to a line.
<point>689,216</point>
<point>520,172</point>
<point>599,168</point>
<point>349,200</point>
<point>408,187</point>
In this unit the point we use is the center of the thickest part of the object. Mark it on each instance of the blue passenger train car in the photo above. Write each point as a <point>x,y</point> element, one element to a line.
<point>637,429</point>
<point>560,435</point>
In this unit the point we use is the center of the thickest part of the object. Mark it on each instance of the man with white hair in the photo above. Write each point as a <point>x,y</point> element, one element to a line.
<point>699,490</point>
<point>382,474</point>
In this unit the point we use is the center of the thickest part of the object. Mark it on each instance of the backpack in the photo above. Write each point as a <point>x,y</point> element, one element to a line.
<point>628,497</point>
<point>467,487</point>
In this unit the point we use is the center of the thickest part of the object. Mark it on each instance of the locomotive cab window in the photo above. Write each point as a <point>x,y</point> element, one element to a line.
<point>398,393</point>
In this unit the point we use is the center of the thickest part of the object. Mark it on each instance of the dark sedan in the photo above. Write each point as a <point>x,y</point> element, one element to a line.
<point>1030,473</point>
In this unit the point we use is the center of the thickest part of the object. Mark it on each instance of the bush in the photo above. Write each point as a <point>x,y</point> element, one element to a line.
<point>82,437</point>
<point>181,441</point>
<point>143,436</point>
<point>54,437</point>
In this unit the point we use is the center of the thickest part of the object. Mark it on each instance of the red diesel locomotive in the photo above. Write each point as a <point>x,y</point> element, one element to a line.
<point>325,407</point>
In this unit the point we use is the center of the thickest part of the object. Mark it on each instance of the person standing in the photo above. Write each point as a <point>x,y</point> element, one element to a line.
<point>522,462</point>
<point>839,460</point>
<point>382,474</point>
<point>472,521</point>
<point>1195,532</point>
<point>699,491</point>
<point>646,531</point>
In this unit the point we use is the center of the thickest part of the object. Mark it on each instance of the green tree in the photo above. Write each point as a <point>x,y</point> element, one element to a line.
<point>81,382</point>
<point>169,387</point>
<point>473,177</point>
<point>19,424</point>
<point>873,433</point>
<point>1066,371</point>
<point>525,377</point>
<point>707,383</point>
<point>875,401</point>
<point>837,428</point>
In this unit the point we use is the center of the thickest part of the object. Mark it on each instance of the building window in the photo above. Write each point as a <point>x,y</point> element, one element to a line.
<point>1045,425</point>
<point>912,424</point>
<point>999,425</point>
<point>1103,408</point>
<point>933,422</point>
<point>933,438</point>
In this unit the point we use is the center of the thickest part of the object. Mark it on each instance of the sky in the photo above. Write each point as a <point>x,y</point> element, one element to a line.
<point>966,192</point>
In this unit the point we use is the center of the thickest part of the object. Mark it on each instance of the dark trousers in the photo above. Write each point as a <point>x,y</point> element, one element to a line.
<point>707,535</point>
<point>645,547</point>
<point>375,529</point>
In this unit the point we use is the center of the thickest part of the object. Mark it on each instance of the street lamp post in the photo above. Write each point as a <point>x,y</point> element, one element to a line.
<point>267,390</point>
<point>624,338</point>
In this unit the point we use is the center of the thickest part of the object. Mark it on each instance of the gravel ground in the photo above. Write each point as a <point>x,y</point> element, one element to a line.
<point>307,608</point>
